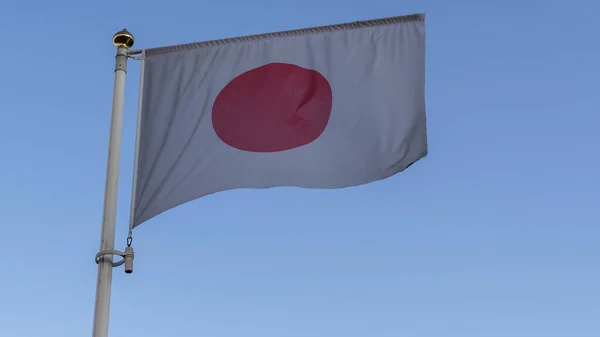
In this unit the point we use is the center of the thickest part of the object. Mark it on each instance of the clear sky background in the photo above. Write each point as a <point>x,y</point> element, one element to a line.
<point>495,233</point>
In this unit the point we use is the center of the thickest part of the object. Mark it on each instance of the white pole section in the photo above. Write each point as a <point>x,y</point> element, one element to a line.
<point>123,40</point>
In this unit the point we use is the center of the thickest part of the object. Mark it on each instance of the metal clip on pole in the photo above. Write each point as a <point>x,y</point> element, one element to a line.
<point>127,258</point>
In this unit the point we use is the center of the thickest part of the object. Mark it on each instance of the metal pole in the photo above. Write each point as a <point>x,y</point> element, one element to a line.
<point>123,40</point>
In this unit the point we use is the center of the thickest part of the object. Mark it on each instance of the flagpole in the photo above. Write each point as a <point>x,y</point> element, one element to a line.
<point>123,40</point>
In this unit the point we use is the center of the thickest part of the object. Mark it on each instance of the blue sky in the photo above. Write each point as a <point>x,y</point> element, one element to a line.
<point>495,233</point>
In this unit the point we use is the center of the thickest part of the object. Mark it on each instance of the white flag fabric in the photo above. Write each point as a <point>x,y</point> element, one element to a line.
<point>325,107</point>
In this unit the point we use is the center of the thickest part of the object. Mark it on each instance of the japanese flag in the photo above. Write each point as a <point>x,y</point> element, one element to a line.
<point>325,107</point>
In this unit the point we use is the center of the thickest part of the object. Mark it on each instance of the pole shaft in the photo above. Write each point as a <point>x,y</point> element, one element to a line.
<point>107,241</point>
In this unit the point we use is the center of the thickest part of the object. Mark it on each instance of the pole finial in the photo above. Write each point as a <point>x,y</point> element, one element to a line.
<point>123,38</point>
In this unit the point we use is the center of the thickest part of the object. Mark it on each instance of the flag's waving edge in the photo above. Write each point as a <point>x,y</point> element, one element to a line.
<point>325,107</point>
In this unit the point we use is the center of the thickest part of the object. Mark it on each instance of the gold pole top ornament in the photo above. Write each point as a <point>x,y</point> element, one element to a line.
<point>123,38</point>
